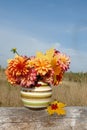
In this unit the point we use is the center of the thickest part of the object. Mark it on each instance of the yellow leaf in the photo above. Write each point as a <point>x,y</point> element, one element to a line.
<point>39,54</point>
<point>49,54</point>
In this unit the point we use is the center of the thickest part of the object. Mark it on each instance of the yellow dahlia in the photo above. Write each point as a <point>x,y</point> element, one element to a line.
<point>55,66</point>
<point>42,66</point>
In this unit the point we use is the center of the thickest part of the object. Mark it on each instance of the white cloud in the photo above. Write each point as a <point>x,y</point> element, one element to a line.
<point>28,45</point>
<point>83,28</point>
<point>78,60</point>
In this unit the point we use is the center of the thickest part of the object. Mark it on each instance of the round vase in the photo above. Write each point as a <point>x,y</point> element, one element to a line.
<point>37,97</point>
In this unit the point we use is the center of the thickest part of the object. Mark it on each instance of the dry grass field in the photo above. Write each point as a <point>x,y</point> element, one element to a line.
<point>72,91</point>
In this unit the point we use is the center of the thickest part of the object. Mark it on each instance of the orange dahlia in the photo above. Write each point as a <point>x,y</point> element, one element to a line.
<point>17,68</point>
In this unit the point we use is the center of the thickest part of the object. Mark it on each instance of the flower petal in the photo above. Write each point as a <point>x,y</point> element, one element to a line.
<point>61,111</point>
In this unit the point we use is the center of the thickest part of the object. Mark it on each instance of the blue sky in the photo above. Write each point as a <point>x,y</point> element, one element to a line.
<point>37,25</point>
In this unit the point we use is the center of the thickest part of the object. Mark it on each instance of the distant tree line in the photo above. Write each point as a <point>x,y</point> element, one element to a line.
<point>1,68</point>
<point>76,77</point>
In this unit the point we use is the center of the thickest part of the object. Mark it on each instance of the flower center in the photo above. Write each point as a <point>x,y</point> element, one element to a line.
<point>54,106</point>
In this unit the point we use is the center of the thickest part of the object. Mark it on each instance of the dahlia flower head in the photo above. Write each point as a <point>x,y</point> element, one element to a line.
<point>48,67</point>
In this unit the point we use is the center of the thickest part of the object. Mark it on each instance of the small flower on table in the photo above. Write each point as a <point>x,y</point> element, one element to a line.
<point>56,107</point>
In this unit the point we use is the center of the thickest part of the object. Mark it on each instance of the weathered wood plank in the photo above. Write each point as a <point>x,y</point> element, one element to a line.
<point>20,118</point>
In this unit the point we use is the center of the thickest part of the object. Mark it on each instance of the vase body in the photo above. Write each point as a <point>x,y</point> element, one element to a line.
<point>37,97</point>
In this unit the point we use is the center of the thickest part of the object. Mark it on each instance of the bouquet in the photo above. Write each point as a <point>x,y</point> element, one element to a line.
<point>48,67</point>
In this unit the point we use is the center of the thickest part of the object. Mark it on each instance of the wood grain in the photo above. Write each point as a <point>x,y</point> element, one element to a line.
<point>21,118</point>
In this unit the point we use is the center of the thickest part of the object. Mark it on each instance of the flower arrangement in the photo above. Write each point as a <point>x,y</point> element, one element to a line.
<point>42,69</point>
<point>30,71</point>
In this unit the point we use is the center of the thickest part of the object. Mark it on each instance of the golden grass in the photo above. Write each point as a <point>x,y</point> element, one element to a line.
<point>69,92</point>
<point>9,95</point>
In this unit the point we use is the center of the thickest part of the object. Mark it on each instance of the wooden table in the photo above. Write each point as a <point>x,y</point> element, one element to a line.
<point>21,118</point>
